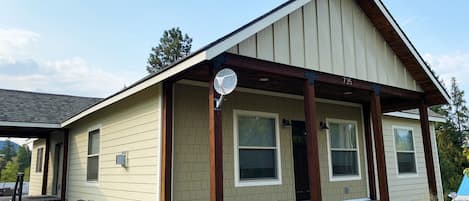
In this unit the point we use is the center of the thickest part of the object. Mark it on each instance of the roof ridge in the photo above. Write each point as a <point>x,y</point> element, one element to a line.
<point>48,94</point>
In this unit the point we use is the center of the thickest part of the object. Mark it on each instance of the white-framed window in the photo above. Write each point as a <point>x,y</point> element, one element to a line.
<point>404,145</point>
<point>92,170</point>
<point>39,159</point>
<point>256,148</point>
<point>343,150</point>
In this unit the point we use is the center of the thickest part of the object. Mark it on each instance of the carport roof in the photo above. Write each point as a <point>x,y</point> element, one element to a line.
<point>41,108</point>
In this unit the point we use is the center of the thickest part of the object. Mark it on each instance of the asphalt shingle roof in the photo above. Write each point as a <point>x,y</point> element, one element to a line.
<point>32,107</point>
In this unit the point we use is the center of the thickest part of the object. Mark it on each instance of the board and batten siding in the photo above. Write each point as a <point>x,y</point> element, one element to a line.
<point>409,188</point>
<point>191,147</point>
<point>333,36</point>
<point>132,125</point>
<point>35,178</point>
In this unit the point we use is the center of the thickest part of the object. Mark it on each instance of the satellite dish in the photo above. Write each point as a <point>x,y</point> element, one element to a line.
<point>224,83</point>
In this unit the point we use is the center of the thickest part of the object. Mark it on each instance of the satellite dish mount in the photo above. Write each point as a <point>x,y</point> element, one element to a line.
<point>224,83</point>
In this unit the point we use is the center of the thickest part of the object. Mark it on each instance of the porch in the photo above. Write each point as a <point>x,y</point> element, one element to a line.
<point>47,166</point>
<point>311,90</point>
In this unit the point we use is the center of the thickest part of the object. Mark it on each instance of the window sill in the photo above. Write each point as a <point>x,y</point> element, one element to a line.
<point>264,182</point>
<point>92,183</point>
<point>407,175</point>
<point>345,178</point>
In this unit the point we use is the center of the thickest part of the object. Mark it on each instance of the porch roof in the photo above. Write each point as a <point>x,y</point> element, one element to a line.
<point>31,109</point>
<point>374,9</point>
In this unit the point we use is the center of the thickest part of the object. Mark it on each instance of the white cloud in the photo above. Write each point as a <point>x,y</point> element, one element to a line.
<point>19,69</point>
<point>16,42</point>
<point>450,65</point>
<point>68,76</point>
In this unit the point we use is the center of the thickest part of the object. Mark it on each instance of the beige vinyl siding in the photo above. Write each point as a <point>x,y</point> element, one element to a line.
<point>35,179</point>
<point>333,36</point>
<point>191,148</point>
<point>132,125</point>
<point>409,188</point>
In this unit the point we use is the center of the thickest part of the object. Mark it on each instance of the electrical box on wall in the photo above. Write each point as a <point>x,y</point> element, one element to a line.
<point>121,159</point>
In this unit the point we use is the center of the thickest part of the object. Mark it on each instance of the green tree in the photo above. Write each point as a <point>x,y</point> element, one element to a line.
<point>8,150</point>
<point>450,139</point>
<point>24,157</point>
<point>27,173</point>
<point>173,46</point>
<point>10,171</point>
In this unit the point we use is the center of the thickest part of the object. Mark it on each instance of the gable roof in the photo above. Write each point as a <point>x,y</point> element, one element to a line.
<point>39,109</point>
<point>374,9</point>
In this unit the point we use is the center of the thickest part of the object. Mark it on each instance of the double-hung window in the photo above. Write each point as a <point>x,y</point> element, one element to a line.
<point>92,170</point>
<point>257,148</point>
<point>405,150</point>
<point>344,161</point>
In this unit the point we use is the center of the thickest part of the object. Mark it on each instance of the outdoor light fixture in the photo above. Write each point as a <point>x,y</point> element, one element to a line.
<point>323,125</point>
<point>348,93</point>
<point>286,123</point>
<point>264,79</point>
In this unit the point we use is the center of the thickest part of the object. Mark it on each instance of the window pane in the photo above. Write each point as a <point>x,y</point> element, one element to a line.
<point>257,164</point>
<point>93,142</point>
<point>92,171</point>
<point>344,163</point>
<point>256,131</point>
<point>342,135</point>
<point>406,162</point>
<point>404,140</point>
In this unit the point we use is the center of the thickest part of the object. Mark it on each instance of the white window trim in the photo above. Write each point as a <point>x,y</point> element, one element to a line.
<point>93,182</point>
<point>405,175</point>
<point>329,151</point>
<point>256,182</point>
<point>42,159</point>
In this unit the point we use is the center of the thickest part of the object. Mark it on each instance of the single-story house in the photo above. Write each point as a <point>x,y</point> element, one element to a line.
<point>331,104</point>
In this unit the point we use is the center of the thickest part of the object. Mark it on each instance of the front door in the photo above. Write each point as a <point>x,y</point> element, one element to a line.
<point>300,161</point>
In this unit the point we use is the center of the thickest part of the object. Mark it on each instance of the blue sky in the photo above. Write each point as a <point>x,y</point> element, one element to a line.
<point>94,48</point>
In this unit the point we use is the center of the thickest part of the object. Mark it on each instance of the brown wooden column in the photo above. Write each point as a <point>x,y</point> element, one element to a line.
<point>63,189</point>
<point>45,170</point>
<point>312,139</point>
<point>216,144</point>
<point>427,147</point>
<point>166,141</point>
<point>369,152</point>
<point>376,117</point>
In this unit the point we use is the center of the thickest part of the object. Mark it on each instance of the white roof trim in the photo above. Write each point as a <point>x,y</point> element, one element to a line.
<point>412,49</point>
<point>207,54</point>
<point>28,124</point>
<point>414,116</point>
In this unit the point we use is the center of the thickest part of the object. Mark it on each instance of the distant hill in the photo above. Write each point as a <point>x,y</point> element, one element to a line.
<point>3,144</point>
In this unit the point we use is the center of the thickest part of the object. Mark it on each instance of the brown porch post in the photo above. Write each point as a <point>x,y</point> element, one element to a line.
<point>427,147</point>
<point>167,141</point>
<point>216,144</point>
<point>369,152</point>
<point>45,171</point>
<point>312,139</point>
<point>379,144</point>
<point>63,189</point>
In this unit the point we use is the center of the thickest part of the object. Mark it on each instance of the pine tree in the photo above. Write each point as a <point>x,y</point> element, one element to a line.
<point>24,158</point>
<point>8,150</point>
<point>173,46</point>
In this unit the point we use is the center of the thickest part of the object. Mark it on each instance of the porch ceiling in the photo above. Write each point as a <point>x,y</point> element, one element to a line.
<point>288,79</point>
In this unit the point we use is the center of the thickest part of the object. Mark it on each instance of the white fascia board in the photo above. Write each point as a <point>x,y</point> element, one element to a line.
<point>412,49</point>
<point>139,87</point>
<point>28,124</point>
<point>414,116</point>
<point>254,28</point>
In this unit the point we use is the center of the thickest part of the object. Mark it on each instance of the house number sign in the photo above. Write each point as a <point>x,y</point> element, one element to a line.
<point>348,81</point>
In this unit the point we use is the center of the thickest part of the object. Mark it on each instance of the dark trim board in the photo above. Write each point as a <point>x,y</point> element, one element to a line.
<point>427,147</point>
<point>63,190</point>
<point>45,171</point>
<point>167,141</point>
<point>369,151</point>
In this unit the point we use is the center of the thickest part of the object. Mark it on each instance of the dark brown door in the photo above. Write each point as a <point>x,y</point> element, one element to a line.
<point>300,162</point>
